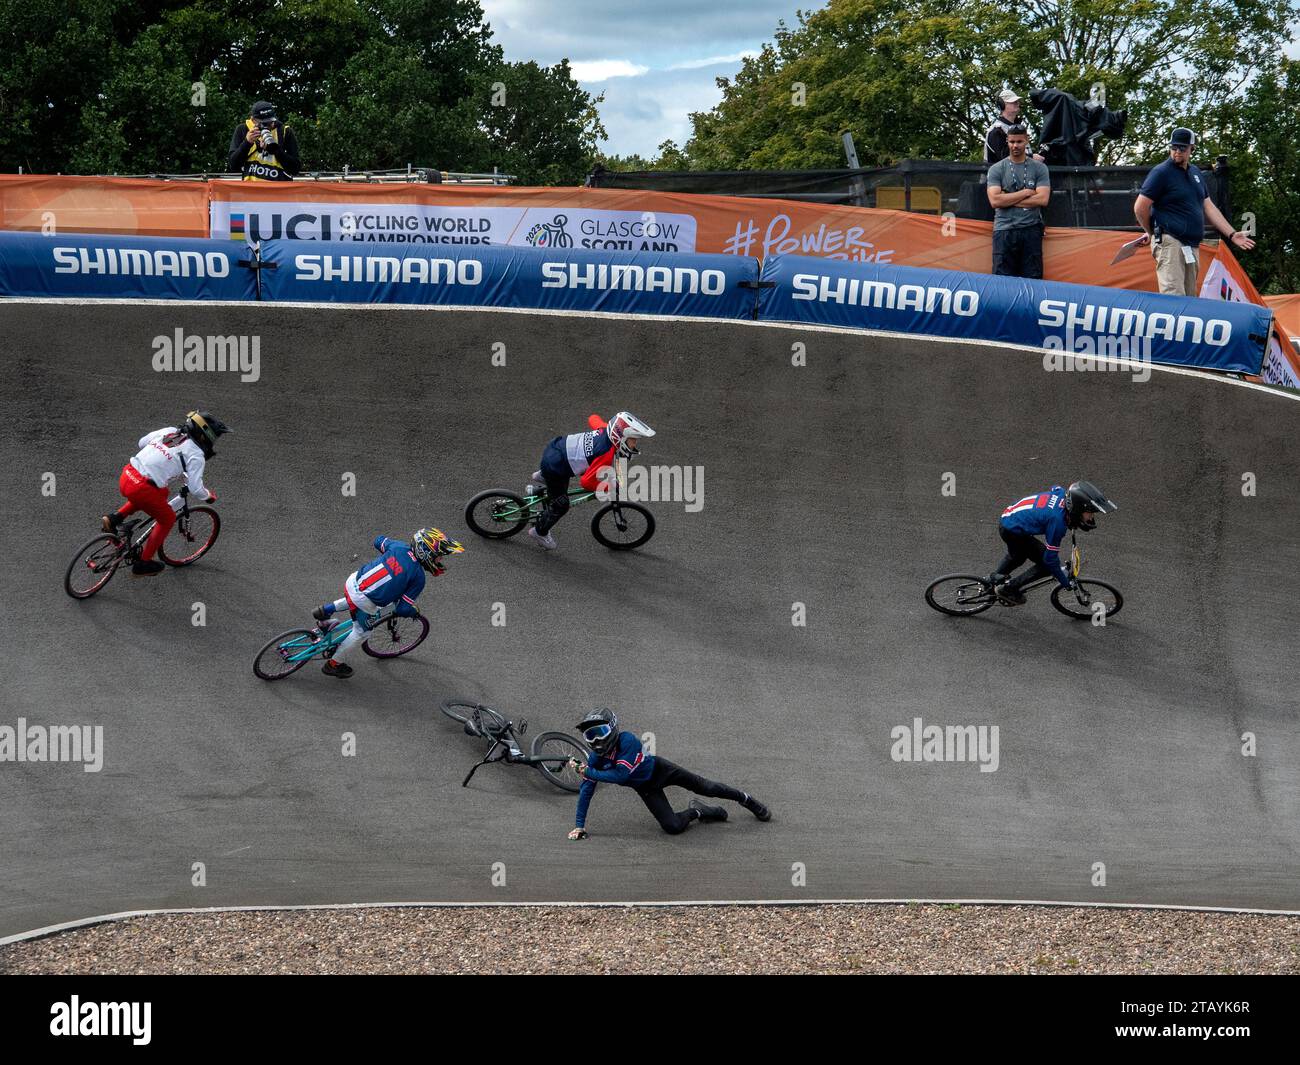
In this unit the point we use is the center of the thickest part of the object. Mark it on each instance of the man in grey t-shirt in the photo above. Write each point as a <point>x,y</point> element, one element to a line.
<point>1019,187</point>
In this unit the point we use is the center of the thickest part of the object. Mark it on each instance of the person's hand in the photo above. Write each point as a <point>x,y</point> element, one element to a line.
<point>578,833</point>
<point>578,767</point>
<point>212,496</point>
<point>1241,240</point>
<point>1144,240</point>
<point>252,135</point>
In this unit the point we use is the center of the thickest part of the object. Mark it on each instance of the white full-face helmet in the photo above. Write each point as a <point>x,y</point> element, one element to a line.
<point>625,424</point>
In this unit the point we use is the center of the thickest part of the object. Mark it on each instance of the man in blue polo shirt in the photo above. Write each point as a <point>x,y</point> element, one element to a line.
<point>1172,209</point>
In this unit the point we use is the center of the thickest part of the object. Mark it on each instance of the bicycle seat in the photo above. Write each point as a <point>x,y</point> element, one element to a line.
<point>470,730</point>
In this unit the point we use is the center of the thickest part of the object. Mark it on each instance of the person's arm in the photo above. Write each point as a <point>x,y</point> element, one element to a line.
<point>585,793</point>
<point>238,154</point>
<point>998,198</point>
<point>1039,197</point>
<point>1224,228</point>
<point>157,434</point>
<point>1052,556</point>
<point>405,605</point>
<point>194,463</point>
<point>618,774</point>
<point>381,543</point>
<point>286,152</point>
<point>625,760</point>
<point>1142,212</point>
<point>995,144</point>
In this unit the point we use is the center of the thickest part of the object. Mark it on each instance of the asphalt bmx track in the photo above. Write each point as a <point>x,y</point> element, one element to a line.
<point>1120,745</point>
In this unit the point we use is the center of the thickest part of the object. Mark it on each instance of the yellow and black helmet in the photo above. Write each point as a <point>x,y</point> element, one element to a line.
<point>430,545</point>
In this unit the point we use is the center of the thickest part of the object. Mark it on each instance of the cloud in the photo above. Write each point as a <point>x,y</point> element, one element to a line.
<point>714,61</point>
<point>604,69</point>
<point>655,61</point>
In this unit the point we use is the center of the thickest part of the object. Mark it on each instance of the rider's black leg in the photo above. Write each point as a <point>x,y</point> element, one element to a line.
<point>557,488</point>
<point>1034,549</point>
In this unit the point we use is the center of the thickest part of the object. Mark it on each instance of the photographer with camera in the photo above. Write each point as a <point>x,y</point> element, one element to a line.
<point>263,148</point>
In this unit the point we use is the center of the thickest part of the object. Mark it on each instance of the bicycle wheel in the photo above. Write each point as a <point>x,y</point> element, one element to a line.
<point>484,721</point>
<point>622,526</point>
<point>497,513</point>
<point>553,744</point>
<point>394,636</point>
<point>1083,607</point>
<point>960,594</point>
<point>191,537</point>
<point>285,654</point>
<point>93,566</point>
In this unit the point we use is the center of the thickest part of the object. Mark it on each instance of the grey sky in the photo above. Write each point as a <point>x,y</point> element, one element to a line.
<point>655,61</point>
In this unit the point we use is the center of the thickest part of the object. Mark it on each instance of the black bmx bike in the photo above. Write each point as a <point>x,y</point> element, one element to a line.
<point>96,561</point>
<point>552,753</point>
<point>964,594</point>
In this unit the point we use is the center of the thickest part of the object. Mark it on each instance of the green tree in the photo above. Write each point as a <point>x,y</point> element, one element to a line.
<point>916,78</point>
<point>109,86</point>
<point>52,53</point>
<point>541,126</point>
<point>1259,138</point>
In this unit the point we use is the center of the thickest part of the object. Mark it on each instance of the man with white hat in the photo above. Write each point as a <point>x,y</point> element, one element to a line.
<point>995,140</point>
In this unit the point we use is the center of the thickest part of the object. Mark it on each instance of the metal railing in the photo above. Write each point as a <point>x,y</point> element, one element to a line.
<point>415,175</point>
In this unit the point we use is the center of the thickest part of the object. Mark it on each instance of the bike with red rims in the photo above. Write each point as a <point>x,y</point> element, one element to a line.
<point>191,537</point>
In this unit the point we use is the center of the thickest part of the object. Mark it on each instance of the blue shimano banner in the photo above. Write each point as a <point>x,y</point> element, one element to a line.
<point>1071,320</point>
<point>666,283</point>
<point>108,267</point>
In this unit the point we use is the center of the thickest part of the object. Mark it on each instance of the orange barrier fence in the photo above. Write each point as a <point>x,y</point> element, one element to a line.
<point>103,205</point>
<point>1286,309</point>
<point>578,218</point>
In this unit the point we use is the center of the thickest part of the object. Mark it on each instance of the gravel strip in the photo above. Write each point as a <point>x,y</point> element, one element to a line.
<point>681,939</point>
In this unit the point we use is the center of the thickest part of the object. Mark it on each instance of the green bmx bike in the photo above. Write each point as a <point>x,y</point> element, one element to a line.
<point>619,525</point>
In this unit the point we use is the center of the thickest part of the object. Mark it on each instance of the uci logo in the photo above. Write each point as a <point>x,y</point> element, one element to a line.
<point>259,226</point>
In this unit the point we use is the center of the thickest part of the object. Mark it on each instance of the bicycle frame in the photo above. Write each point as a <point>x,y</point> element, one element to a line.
<point>576,495</point>
<point>330,639</point>
<point>1075,568</point>
<point>506,738</point>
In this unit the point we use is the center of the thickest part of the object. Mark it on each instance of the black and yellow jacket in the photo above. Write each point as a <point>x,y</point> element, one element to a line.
<point>277,162</point>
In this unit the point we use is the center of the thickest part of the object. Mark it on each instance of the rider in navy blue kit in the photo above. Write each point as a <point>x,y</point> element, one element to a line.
<point>395,579</point>
<point>1049,514</point>
<point>618,759</point>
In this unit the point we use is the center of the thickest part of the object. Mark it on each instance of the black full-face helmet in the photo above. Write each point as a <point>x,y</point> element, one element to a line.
<point>600,729</point>
<point>1083,501</point>
<point>203,428</point>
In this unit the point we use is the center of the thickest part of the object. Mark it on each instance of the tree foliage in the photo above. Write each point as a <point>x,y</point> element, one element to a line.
<point>113,86</point>
<point>916,79</point>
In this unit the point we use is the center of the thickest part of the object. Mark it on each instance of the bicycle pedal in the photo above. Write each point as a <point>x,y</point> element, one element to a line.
<point>521,726</point>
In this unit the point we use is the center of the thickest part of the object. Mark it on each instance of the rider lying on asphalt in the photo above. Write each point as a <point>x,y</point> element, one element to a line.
<point>619,759</point>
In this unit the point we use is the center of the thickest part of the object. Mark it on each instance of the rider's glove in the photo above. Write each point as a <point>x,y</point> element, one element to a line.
<point>212,496</point>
